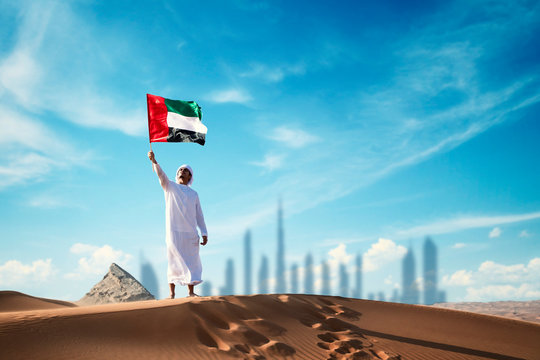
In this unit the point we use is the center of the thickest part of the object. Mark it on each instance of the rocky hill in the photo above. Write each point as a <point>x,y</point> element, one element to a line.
<point>117,286</point>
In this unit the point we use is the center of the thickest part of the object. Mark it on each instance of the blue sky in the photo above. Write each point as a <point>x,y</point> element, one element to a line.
<point>376,123</point>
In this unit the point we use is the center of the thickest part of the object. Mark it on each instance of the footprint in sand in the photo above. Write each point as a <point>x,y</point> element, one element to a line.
<point>249,335</point>
<point>240,311</point>
<point>278,349</point>
<point>266,327</point>
<point>348,313</point>
<point>208,316</point>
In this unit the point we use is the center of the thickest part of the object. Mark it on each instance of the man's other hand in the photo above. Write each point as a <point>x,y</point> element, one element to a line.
<point>204,240</point>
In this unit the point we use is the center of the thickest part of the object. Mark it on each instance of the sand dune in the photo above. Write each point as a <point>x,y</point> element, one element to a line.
<point>16,301</point>
<point>263,327</point>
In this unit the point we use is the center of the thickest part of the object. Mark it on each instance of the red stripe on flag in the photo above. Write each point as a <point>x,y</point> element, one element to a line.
<point>157,118</point>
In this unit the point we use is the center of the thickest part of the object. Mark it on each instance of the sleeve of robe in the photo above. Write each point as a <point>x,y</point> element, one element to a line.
<point>200,218</point>
<point>163,179</point>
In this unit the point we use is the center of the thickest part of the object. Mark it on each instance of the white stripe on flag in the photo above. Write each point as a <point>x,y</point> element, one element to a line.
<point>178,121</point>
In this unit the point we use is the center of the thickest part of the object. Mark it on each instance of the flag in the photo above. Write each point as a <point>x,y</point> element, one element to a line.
<point>174,120</point>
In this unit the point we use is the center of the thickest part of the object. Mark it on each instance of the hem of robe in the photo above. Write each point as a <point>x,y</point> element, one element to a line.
<point>183,283</point>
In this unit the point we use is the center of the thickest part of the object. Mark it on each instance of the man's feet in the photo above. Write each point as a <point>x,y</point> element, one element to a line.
<point>171,296</point>
<point>193,295</point>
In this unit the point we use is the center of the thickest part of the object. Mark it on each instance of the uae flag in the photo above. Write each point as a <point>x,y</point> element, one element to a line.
<point>174,120</point>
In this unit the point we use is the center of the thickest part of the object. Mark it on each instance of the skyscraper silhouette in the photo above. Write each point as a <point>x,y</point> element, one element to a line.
<point>308,275</point>
<point>325,290</point>
<point>430,272</point>
<point>395,296</point>
<point>281,285</point>
<point>358,279</point>
<point>343,281</point>
<point>247,263</point>
<point>206,289</point>
<point>228,288</point>
<point>410,288</point>
<point>148,277</point>
<point>294,279</point>
<point>263,276</point>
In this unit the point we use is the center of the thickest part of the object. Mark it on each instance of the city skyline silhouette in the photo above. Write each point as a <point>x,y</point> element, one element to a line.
<point>348,279</point>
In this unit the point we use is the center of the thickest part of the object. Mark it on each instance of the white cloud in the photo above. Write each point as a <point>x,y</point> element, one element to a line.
<point>270,162</point>
<point>524,233</point>
<point>459,278</point>
<point>230,96</point>
<point>463,223</point>
<point>292,137</point>
<point>458,246</point>
<point>97,259</point>
<point>15,273</point>
<point>493,281</point>
<point>339,255</point>
<point>382,252</point>
<point>503,292</point>
<point>496,232</point>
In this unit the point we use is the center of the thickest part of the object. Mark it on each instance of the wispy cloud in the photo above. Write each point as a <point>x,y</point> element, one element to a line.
<point>47,202</point>
<point>270,162</point>
<point>433,103</point>
<point>292,137</point>
<point>463,223</point>
<point>273,74</point>
<point>36,76</point>
<point>239,96</point>
<point>31,150</point>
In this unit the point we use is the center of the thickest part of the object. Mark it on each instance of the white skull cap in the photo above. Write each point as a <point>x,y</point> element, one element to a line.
<point>178,173</point>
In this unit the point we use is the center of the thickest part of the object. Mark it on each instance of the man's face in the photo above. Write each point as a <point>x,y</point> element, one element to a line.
<point>185,175</point>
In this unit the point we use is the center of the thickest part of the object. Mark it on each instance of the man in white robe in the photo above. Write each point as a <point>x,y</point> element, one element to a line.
<point>183,214</point>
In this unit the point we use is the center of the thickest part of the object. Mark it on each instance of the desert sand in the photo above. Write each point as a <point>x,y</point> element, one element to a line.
<point>520,310</point>
<point>257,327</point>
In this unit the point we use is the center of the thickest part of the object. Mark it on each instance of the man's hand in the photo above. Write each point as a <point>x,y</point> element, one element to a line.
<point>204,240</point>
<point>152,157</point>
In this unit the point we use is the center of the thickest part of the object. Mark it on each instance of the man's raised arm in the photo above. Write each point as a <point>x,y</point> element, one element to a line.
<point>163,179</point>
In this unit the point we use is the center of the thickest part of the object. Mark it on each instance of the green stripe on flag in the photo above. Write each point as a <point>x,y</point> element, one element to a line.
<point>184,108</point>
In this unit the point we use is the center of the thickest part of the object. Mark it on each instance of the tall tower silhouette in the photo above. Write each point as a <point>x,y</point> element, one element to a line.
<point>263,276</point>
<point>228,288</point>
<point>325,290</point>
<point>247,263</point>
<point>148,277</point>
<point>294,279</point>
<point>343,281</point>
<point>281,286</point>
<point>308,275</point>
<point>430,272</point>
<point>358,279</point>
<point>206,289</point>
<point>410,290</point>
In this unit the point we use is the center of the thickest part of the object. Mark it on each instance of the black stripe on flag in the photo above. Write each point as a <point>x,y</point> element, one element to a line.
<point>182,135</point>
